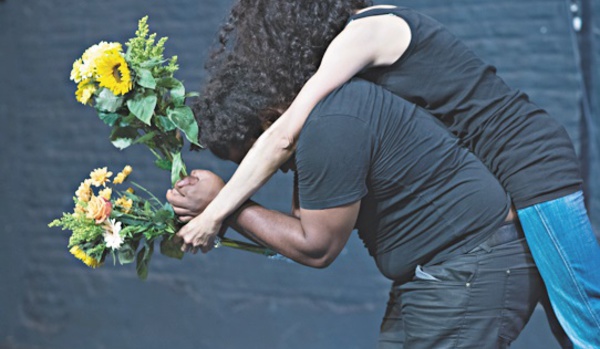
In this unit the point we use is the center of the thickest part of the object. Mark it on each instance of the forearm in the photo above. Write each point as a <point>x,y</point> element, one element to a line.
<point>284,234</point>
<point>262,161</point>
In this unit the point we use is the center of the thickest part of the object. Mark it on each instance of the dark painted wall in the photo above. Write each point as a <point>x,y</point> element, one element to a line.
<point>226,299</point>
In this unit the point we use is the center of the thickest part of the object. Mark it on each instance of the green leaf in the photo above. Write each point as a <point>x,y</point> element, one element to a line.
<point>147,139</point>
<point>175,88</point>
<point>145,78</point>
<point>126,254</point>
<point>170,248</point>
<point>185,121</point>
<point>123,137</point>
<point>143,260</point>
<point>165,124</point>
<point>192,94</point>
<point>163,164</point>
<point>128,120</point>
<point>178,169</point>
<point>107,101</point>
<point>109,118</point>
<point>151,63</point>
<point>147,208</point>
<point>142,106</point>
<point>163,216</point>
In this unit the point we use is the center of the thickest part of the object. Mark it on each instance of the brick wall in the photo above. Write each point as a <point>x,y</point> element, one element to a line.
<point>226,299</point>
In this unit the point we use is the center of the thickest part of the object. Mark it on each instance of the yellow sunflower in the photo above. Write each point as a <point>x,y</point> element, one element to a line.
<point>113,73</point>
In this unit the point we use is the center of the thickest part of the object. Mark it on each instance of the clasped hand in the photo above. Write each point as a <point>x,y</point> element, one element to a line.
<point>189,198</point>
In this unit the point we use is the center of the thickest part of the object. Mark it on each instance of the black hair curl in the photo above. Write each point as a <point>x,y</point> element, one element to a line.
<point>233,109</point>
<point>285,39</point>
<point>267,50</point>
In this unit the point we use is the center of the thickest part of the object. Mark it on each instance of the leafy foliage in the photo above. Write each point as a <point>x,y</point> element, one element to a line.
<point>153,111</point>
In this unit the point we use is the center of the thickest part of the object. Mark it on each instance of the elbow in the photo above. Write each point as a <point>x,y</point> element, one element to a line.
<point>280,138</point>
<point>320,260</point>
<point>322,263</point>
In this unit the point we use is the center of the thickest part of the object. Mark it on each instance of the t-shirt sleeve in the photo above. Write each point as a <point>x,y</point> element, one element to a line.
<point>333,158</point>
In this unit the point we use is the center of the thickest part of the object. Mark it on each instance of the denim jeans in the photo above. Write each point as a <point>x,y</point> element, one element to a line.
<point>479,300</point>
<point>567,254</point>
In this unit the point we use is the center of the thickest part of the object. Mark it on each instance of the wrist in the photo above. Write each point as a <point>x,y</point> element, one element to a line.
<point>232,219</point>
<point>213,213</point>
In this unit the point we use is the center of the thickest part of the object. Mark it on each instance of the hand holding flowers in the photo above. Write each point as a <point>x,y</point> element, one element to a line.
<point>136,94</point>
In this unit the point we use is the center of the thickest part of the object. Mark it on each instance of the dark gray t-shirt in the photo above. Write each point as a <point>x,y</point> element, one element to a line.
<point>423,197</point>
<point>528,151</point>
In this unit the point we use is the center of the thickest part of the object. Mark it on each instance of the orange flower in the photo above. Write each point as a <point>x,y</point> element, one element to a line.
<point>98,209</point>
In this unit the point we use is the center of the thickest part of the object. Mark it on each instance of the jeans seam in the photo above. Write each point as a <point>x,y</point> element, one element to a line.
<point>551,234</point>
<point>466,308</point>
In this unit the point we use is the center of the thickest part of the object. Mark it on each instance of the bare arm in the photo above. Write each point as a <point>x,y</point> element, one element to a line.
<point>315,240</point>
<point>361,44</point>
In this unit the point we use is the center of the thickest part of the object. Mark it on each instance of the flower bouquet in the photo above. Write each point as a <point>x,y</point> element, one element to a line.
<point>103,225</point>
<point>136,94</point>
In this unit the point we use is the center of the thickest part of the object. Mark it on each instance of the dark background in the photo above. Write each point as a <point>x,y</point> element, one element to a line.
<point>226,299</point>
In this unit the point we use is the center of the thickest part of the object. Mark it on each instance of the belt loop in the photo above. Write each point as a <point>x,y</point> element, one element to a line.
<point>485,246</point>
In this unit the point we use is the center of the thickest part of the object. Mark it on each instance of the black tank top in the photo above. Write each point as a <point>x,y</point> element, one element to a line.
<point>528,151</point>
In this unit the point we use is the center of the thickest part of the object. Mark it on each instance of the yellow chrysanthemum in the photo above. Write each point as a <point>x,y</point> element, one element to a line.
<point>121,176</point>
<point>105,193</point>
<point>113,73</point>
<point>84,257</point>
<point>96,51</point>
<point>125,203</point>
<point>130,190</point>
<point>76,71</point>
<point>100,176</point>
<point>85,91</point>
<point>84,192</point>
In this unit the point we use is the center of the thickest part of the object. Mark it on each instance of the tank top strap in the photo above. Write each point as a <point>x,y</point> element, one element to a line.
<point>392,11</point>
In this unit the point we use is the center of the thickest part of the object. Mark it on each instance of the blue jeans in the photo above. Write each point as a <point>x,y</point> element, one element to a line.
<point>567,254</point>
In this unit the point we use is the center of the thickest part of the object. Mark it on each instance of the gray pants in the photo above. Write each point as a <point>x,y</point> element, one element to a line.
<point>479,300</point>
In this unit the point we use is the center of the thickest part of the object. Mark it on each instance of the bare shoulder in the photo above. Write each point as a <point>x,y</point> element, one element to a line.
<point>391,35</point>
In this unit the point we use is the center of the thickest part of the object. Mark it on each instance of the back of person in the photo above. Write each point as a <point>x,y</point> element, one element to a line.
<point>424,198</point>
<point>529,152</point>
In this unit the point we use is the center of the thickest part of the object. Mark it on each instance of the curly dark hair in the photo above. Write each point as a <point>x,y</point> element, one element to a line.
<point>234,108</point>
<point>267,50</point>
<point>286,39</point>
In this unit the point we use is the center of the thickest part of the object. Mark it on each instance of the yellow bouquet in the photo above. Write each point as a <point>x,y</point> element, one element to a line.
<point>136,94</point>
<point>107,221</point>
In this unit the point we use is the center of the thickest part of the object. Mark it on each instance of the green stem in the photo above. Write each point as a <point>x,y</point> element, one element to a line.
<point>246,247</point>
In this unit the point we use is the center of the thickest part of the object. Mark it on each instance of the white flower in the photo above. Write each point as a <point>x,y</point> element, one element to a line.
<point>112,236</point>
